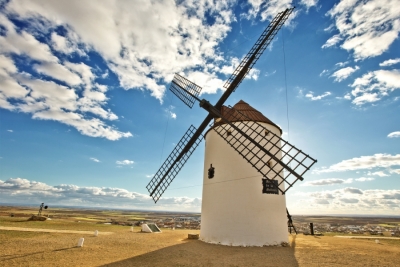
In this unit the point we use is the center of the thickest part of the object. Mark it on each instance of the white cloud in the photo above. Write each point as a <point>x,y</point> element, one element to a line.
<point>364,179</point>
<point>94,159</point>
<point>366,98</point>
<point>397,171</point>
<point>343,73</point>
<point>330,181</point>
<point>68,44</point>
<point>389,62</point>
<point>321,201</point>
<point>24,44</point>
<point>378,173</point>
<point>367,28</point>
<point>324,72</point>
<point>138,58</point>
<point>253,74</point>
<point>50,99</point>
<point>332,41</point>
<point>134,54</point>
<point>59,72</point>
<point>149,175</point>
<point>268,10</point>
<point>125,162</point>
<point>330,28</point>
<point>375,85</point>
<point>347,96</point>
<point>9,88</point>
<point>269,73</point>
<point>364,162</point>
<point>311,96</point>
<point>349,201</point>
<point>170,113</point>
<point>335,181</point>
<point>10,131</point>
<point>22,184</point>
<point>309,3</point>
<point>394,134</point>
<point>105,74</point>
<point>341,64</point>
<point>19,190</point>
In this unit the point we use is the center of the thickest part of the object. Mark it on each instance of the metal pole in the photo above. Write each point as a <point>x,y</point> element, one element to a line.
<point>40,209</point>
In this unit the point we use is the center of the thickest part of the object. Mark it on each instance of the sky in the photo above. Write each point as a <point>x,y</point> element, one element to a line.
<point>86,117</point>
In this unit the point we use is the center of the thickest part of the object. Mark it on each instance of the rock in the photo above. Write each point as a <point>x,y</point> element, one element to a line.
<point>37,218</point>
<point>284,244</point>
<point>193,236</point>
<point>80,242</point>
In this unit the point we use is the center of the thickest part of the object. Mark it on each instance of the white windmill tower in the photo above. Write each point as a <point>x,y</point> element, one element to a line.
<point>237,208</point>
<point>259,152</point>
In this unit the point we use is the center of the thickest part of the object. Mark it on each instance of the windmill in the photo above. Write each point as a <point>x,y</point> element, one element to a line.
<point>264,152</point>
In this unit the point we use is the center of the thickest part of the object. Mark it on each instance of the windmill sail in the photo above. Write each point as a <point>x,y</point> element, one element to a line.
<point>188,92</point>
<point>254,54</point>
<point>269,154</point>
<point>185,90</point>
<point>172,165</point>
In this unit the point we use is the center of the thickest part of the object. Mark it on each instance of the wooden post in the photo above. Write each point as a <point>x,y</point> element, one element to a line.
<point>312,228</point>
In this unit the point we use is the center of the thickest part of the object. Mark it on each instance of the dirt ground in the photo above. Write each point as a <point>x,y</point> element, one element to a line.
<point>172,248</point>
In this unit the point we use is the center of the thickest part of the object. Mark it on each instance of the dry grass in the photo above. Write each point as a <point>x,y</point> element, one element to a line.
<point>172,248</point>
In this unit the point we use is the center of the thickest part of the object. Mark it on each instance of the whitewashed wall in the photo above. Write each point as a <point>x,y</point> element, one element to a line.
<point>234,210</point>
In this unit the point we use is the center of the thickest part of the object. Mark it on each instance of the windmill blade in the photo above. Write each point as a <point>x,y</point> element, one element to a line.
<point>188,92</point>
<point>173,164</point>
<point>269,154</point>
<point>185,90</point>
<point>251,58</point>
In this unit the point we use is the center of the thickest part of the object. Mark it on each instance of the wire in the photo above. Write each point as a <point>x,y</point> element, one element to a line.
<point>284,66</point>
<point>165,136</point>
<point>166,129</point>
<point>247,39</point>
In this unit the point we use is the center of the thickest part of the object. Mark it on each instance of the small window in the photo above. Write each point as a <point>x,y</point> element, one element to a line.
<point>266,132</point>
<point>228,133</point>
<point>269,163</point>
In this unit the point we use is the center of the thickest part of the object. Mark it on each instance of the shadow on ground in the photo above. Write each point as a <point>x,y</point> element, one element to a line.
<point>17,256</point>
<point>198,253</point>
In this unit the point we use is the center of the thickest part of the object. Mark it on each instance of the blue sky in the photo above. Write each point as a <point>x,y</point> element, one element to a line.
<point>86,118</point>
